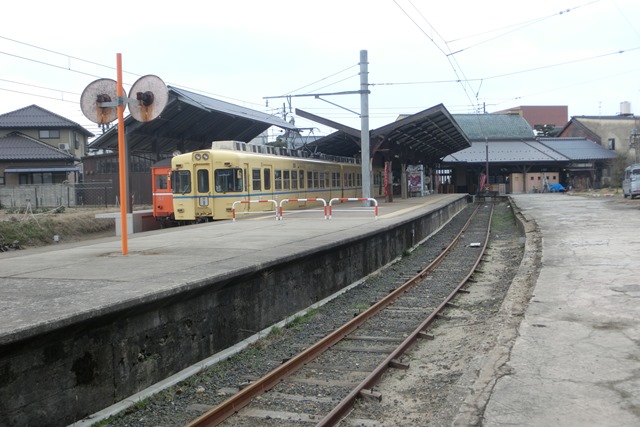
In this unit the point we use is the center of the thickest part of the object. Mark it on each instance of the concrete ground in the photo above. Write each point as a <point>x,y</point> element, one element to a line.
<point>576,361</point>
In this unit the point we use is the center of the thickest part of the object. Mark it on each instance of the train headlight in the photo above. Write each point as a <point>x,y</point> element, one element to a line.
<point>205,156</point>
<point>197,156</point>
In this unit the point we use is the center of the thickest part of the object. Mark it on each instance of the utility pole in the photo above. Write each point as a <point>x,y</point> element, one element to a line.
<point>364,124</point>
<point>486,146</point>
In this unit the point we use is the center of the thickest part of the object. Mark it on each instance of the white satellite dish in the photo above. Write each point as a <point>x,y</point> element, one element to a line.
<point>151,95</point>
<point>92,99</point>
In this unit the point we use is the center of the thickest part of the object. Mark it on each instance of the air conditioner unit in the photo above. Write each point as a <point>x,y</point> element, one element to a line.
<point>63,147</point>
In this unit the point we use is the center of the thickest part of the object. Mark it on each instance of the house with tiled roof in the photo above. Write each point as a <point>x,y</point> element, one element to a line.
<point>620,133</point>
<point>38,146</point>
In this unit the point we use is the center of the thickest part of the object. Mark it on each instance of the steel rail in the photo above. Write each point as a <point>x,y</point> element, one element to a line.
<point>342,409</point>
<point>241,399</point>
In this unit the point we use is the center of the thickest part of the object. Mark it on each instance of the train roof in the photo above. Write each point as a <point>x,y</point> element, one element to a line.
<point>240,148</point>
<point>280,151</point>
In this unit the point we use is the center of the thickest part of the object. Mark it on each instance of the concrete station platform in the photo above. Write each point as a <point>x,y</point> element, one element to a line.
<point>101,326</point>
<point>45,288</point>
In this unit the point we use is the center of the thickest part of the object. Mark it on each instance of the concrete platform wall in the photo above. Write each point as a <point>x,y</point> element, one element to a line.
<point>65,375</point>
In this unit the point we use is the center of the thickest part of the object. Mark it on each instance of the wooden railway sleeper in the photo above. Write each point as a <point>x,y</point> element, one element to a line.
<point>426,336</point>
<point>370,394</point>
<point>395,363</point>
<point>442,316</point>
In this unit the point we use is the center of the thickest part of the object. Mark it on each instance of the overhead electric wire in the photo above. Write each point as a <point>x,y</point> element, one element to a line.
<point>517,26</point>
<point>528,70</point>
<point>448,57</point>
<point>322,79</point>
<point>39,87</point>
<point>94,63</point>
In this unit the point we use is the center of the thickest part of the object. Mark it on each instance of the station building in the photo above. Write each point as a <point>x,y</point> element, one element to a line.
<point>518,161</point>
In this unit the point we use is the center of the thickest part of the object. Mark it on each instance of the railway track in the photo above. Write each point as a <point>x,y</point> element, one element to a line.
<point>320,385</point>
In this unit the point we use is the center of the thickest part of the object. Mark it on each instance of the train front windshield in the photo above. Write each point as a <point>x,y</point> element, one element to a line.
<point>181,181</point>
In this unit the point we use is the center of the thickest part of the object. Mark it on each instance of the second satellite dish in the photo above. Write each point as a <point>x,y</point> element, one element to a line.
<point>151,95</point>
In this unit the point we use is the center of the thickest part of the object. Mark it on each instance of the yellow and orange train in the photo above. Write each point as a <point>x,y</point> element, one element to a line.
<point>203,185</point>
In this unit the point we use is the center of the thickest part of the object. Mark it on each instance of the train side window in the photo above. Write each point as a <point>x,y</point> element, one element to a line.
<point>255,179</point>
<point>316,181</point>
<point>309,180</point>
<point>267,179</point>
<point>277,175</point>
<point>286,180</point>
<point>301,180</point>
<point>294,180</point>
<point>203,181</point>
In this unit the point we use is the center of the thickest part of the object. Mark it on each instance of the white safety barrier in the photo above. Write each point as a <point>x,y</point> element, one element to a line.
<point>233,206</point>
<point>313,199</point>
<point>353,199</point>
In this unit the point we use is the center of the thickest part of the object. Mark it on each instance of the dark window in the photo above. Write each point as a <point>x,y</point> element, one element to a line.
<point>228,180</point>
<point>49,134</point>
<point>267,179</point>
<point>203,181</point>
<point>612,143</point>
<point>302,180</point>
<point>294,180</point>
<point>161,182</point>
<point>286,179</point>
<point>181,181</point>
<point>255,180</point>
<point>277,176</point>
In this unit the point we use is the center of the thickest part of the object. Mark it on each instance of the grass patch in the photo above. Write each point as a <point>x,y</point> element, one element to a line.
<point>502,220</point>
<point>38,229</point>
<point>304,319</point>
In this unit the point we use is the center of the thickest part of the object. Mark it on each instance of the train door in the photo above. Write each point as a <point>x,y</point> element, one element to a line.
<point>203,197</point>
<point>267,182</point>
<point>246,180</point>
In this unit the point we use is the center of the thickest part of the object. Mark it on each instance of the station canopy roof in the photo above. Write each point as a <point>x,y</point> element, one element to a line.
<point>509,139</point>
<point>578,148</point>
<point>189,122</point>
<point>506,152</point>
<point>428,135</point>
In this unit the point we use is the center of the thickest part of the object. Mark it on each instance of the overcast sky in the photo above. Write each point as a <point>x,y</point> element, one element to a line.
<point>469,56</point>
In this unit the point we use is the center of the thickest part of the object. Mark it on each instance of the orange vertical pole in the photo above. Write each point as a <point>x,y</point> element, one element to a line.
<point>121,160</point>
